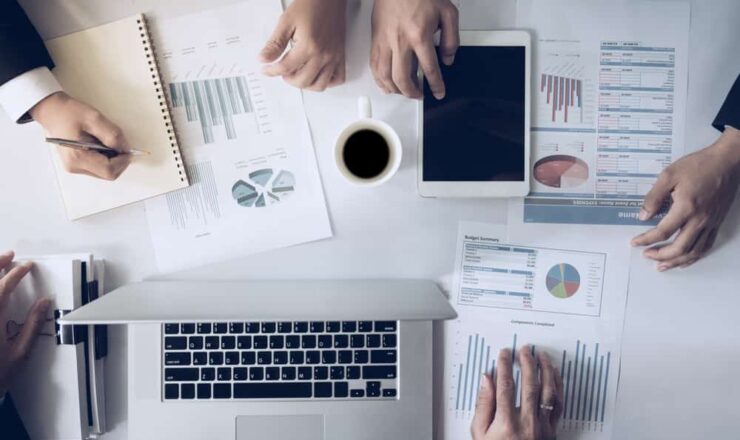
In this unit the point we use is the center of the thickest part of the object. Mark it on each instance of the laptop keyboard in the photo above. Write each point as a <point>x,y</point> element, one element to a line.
<point>280,360</point>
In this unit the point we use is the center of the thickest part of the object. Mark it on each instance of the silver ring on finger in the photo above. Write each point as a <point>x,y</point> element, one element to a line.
<point>546,407</point>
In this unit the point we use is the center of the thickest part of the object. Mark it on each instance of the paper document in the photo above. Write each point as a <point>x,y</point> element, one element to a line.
<point>255,184</point>
<point>609,103</point>
<point>567,302</point>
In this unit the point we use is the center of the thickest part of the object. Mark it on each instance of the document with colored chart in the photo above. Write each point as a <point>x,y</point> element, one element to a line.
<point>608,109</point>
<point>255,184</point>
<point>566,300</point>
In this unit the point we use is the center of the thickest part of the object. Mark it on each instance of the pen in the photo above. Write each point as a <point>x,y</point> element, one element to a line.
<point>87,146</point>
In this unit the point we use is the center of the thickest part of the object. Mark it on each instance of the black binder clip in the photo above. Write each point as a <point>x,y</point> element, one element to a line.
<point>68,334</point>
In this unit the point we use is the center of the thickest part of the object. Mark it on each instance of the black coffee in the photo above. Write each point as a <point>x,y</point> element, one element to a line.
<point>366,154</point>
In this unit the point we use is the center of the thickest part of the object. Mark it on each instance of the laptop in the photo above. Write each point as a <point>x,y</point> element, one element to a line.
<point>299,360</point>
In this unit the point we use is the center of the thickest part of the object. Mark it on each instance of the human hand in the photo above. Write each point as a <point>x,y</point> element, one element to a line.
<point>496,415</point>
<point>64,117</point>
<point>13,352</point>
<point>316,60</point>
<point>403,34</point>
<point>703,186</point>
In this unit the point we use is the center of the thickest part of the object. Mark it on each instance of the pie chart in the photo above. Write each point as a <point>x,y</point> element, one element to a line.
<point>264,187</point>
<point>561,171</point>
<point>563,280</point>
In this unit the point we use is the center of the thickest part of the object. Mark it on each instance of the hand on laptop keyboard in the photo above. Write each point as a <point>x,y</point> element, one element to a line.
<point>496,415</point>
<point>281,360</point>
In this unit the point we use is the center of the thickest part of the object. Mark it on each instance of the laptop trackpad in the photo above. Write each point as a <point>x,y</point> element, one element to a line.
<point>309,427</point>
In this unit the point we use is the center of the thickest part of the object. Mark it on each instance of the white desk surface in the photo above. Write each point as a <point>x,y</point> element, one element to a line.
<point>680,340</point>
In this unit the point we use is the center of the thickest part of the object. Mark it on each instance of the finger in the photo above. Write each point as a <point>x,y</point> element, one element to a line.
<point>10,281</point>
<point>275,46</point>
<point>291,63</point>
<point>485,407</point>
<point>107,132</point>
<point>703,244</point>
<point>401,72</point>
<point>449,40</point>
<point>31,327</point>
<point>305,76</point>
<point>6,258</point>
<point>384,72</point>
<point>558,411</point>
<point>683,243</point>
<point>505,387</point>
<point>530,384</point>
<point>668,226</point>
<point>430,66</point>
<point>322,79</point>
<point>339,76</point>
<point>549,386</point>
<point>656,196</point>
<point>101,166</point>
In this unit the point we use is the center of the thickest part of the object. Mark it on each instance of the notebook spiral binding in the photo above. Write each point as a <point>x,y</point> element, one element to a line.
<point>150,50</point>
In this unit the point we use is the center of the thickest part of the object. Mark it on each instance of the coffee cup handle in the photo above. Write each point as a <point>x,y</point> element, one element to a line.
<point>364,109</point>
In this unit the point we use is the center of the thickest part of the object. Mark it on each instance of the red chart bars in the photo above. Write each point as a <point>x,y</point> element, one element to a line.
<point>562,93</point>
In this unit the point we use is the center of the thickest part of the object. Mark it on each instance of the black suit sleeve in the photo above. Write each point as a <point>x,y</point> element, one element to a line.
<point>21,47</point>
<point>11,426</point>
<point>729,114</point>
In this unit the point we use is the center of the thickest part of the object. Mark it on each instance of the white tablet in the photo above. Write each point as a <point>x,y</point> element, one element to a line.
<point>475,141</point>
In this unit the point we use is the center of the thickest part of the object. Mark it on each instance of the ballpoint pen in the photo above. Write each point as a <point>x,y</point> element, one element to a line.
<point>93,146</point>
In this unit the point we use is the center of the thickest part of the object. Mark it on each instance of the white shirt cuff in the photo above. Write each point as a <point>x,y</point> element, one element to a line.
<point>21,93</point>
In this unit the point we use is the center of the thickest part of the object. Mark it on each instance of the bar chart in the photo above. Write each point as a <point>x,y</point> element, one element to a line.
<point>564,95</point>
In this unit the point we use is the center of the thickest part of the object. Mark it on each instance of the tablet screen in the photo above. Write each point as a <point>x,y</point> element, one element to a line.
<point>476,133</point>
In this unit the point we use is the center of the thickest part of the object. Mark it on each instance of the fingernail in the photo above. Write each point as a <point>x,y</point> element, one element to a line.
<point>439,95</point>
<point>448,60</point>
<point>27,264</point>
<point>483,381</point>
<point>644,215</point>
<point>7,254</point>
<point>45,303</point>
<point>663,267</point>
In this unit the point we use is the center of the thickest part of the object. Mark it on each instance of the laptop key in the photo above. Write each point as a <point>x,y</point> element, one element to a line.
<point>220,327</point>
<point>288,373</point>
<point>308,341</point>
<point>372,388</point>
<point>207,374</point>
<point>383,357</point>
<point>277,341</point>
<point>300,327</point>
<point>365,326</point>
<point>212,342</point>
<point>333,326</point>
<point>322,389</point>
<point>379,372</point>
<point>357,393</point>
<point>222,391</point>
<point>171,329</point>
<point>304,373</point>
<point>260,342</point>
<point>256,373</point>
<point>345,356</point>
<point>223,374</point>
<point>180,374</point>
<point>357,341</point>
<point>277,390</point>
<point>280,357</point>
<point>353,372</point>
<point>325,341</point>
<point>328,357</point>
<point>349,326</point>
<point>231,358</point>
<point>268,327</point>
<point>320,373</point>
<point>244,342</point>
<point>293,341</point>
<point>336,373</point>
<point>373,341</point>
<point>228,342</point>
<point>215,358</point>
<point>241,373</point>
<point>389,341</point>
<point>175,342</point>
<point>187,329</point>
<point>272,373</point>
<point>296,357</point>
<point>361,356</point>
<point>236,327</point>
<point>385,326</point>
<point>200,358</point>
<point>204,391</point>
<point>252,327</point>
<point>341,341</point>
<point>195,342</point>
<point>177,358</point>
<point>264,357</point>
<point>284,327</point>
<point>248,358</point>
<point>389,392</point>
<point>204,328</point>
<point>313,357</point>
<point>171,391</point>
<point>341,389</point>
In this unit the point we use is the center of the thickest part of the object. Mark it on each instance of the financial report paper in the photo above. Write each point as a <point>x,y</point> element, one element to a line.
<point>244,138</point>
<point>565,300</point>
<point>609,103</point>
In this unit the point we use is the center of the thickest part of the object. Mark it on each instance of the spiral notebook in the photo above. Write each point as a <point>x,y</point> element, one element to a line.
<point>113,67</point>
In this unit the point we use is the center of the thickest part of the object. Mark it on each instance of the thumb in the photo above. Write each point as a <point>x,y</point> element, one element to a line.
<point>34,320</point>
<point>656,196</point>
<point>275,46</point>
<point>484,408</point>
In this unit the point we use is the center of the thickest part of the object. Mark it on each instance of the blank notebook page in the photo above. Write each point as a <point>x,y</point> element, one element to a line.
<point>113,68</point>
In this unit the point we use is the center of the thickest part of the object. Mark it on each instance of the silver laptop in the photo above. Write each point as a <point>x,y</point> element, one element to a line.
<point>299,360</point>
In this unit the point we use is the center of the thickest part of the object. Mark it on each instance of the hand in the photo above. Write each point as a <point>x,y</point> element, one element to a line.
<point>703,186</point>
<point>13,352</point>
<point>403,34</point>
<point>496,415</point>
<point>316,60</point>
<point>65,117</point>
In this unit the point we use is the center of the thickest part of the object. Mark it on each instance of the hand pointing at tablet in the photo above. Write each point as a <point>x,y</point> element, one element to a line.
<point>403,35</point>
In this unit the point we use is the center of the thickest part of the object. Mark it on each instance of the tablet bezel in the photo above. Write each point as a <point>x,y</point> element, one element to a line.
<point>491,188</point>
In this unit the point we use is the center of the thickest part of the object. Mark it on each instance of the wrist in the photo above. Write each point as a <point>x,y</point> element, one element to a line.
<point>47,106</point>
<point>729,146</point>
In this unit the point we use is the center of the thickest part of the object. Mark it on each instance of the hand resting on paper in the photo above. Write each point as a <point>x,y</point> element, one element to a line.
<point>64,117</point>
<point>14,349</point>
<point>496,415</point>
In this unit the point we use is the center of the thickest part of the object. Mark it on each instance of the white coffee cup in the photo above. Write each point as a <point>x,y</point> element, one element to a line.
<point>366,121</point>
